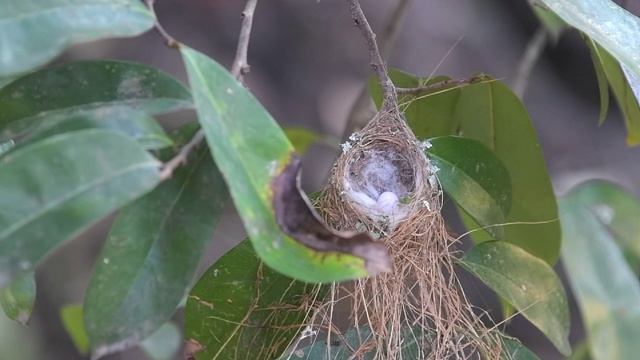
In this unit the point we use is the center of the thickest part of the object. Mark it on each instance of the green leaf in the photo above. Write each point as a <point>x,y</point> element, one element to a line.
<point>580,351</point>
<point>152,253</point>
<point>512,349</point>
<point>55,188</point>
<point>6,146</point>
<point>262,171</point>
<point>474,178</point>
<point>527,282</point>
<point>95,86</point>
<point>491,113</point>
<point>622,85</point>
<point>601,75</point>
<point>428,114</point>
<point>133,123</point>
<point>36,31</point>
<point>301,138</point>
<point>18,298</point>
<point>71,316</point>
<point>6,80</point>
<point>616,208</point>
<point>605,22</point>
<point>240,309</point>
<point>164,343</point>
<point>352,342</point>
<point>606,289</point>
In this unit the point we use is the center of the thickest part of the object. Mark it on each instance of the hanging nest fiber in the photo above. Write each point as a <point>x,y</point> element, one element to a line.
<point>383,183</point>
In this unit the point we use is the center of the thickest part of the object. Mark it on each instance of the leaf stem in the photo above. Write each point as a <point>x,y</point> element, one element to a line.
<point>168,39</point>
<point>390,100</point>
<point>239,69</point>
<point>240,65</point>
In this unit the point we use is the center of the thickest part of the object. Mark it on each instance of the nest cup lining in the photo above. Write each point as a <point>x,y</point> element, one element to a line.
<point>380,181</point>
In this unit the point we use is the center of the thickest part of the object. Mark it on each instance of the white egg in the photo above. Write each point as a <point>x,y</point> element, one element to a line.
<point>362,198</point>
<point>387,200</point>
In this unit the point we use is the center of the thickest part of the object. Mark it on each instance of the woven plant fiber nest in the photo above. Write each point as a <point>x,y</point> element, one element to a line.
<point>383,183</point>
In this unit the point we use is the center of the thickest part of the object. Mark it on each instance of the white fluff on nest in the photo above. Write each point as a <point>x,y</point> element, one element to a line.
<point>379,188</point>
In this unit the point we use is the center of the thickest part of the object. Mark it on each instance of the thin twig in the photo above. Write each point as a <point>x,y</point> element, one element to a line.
<point>363,108</point>
<point>239,69</point>
<point>532,53</point>
<point>440,84</point>
<point>240,65</point>
<point>181,156</point>
<point>168,39</point>
<point>389,96</point>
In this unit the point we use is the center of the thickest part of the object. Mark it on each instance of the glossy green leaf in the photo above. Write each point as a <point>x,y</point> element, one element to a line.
<point>601,75</point>
<point>525,281</point>
<point>36,31</point>
<point>55,188</point>
<point>17,299</point>
<point>133,123</point>
<point>606,289</point>
<point>430,113</point>
<point>151,255</point>
<point>261,170</point>
<point>622,85</point>
<point>97,86</point>
<point>164,343</point>
<point>301,138</point>
<point>240,309</point>
<point>491,113</point>
<point>71,316</point>
<point>605,22</point>
<point>352,342</point>
<point>474,178</point>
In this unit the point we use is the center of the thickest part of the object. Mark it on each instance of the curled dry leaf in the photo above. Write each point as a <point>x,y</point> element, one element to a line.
<point>295,217</point>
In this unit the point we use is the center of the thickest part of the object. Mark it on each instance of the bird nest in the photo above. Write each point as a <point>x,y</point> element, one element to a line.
<point>384,184</point>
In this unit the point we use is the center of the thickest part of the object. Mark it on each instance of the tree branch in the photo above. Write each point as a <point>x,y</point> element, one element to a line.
<point>181,156</point>
<point>240,65</point>
<point>168,39</point>
<point>363,108</point>
<point>440,84</point>
<point>239,68</point>
<point>388,89</point>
